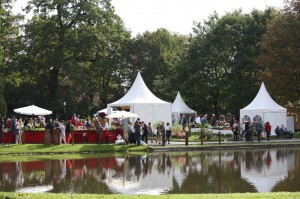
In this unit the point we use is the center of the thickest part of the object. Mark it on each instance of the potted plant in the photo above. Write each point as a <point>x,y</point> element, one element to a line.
<point>208,133</point>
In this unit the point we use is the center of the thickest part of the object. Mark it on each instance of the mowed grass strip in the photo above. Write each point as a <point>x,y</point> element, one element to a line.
<point>279,195</point>
<point>68,148</point>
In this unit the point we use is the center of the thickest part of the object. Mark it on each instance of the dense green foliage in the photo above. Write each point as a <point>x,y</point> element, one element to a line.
<point>79,52</point>
<point>221,61</point>
<point>279,61</point>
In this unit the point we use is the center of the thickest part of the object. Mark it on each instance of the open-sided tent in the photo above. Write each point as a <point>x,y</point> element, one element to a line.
<point>264,108</point>
<point>32,110</point>
<point>143,102</point>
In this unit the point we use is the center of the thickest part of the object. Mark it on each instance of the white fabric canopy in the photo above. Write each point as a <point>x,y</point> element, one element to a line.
<point>122,114</point>
<point>179,106</point>
<point>32,110</point>
<point>102,111</point>
<point>265,107</point>
<point>144,103</point>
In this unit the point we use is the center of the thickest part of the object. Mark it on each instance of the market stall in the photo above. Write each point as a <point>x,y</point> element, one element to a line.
<point>80,136</point>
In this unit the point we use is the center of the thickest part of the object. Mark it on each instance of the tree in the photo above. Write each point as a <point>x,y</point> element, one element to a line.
<point>279,60</point>
<point>9,43</point>
<point>74,49</point>
<point>220,64</point>
<point>2,100</point>
<point>156,54</point>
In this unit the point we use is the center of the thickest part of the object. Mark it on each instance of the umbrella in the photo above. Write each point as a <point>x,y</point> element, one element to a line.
<point>122,114</point>
<point>32,110</point>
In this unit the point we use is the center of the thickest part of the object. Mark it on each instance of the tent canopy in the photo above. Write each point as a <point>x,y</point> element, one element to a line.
<point>102,111</point>
<point>32,110</point>
<point>122,114</point>
<point>263,101</point>
<point>179,106</point>
<point>264,108</point>
<point>138,94</point>
<point>144,103</point>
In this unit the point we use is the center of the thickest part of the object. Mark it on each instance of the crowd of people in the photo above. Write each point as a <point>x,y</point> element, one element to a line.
<point>201,119</point>
<point>18,125</point>
<point>140,132</point>
<point>245,131</point>
<point>263,131</point>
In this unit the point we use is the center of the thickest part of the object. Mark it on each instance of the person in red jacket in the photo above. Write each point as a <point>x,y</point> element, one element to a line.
<point>268,130</point>
<point>74,120</point>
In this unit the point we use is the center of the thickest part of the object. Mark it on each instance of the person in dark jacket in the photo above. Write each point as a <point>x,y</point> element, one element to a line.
<point>50,126</point>
<point>137,130</point>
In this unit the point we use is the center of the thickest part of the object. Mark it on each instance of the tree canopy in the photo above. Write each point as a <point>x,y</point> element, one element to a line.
<point>279,60</point>
<point>79,53</point>
<point>220,61</point>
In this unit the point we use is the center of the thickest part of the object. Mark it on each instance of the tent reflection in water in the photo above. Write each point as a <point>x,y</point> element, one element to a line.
<point>265,179</point>
<point>140,100</point>
<point>32,110</point>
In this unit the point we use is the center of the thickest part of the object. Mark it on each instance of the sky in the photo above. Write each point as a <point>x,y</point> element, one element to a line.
<point>177,16</point>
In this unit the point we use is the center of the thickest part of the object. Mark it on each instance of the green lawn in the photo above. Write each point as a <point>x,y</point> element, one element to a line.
<point>175,196</point>
<point>195,138</point>
<point>64,148</point>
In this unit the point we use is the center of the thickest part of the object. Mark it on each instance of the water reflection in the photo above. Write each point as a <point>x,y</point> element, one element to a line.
<point>159,173</point>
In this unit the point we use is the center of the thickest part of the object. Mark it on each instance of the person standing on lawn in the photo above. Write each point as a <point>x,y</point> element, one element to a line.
<point>62,132</point>
<point>2,130</point>
<point>268,130</point>
<point>168,132</point>
<point>145,132</point>
<point>259,129</point>
<point>68,132</point>
<point>235,130</point>
<point>150,132</point>
<point>99,129</point>
<point>137,131</point>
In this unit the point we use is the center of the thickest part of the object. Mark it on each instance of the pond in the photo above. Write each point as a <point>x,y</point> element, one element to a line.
<point>233,171</point>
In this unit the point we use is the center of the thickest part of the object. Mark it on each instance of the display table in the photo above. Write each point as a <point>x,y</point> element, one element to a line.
<point>34,137</point>
<point>81,136</point>
<point>8,138</point>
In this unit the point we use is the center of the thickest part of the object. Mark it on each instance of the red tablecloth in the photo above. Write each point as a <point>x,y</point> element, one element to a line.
<point>8,137</point>
<point>38,137</point>
<point>34,137</point>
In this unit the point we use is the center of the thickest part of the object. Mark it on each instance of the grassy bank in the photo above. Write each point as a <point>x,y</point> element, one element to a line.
<point>177,196</point>
<point>195,138</point>
<point>19,149</point>
<point>40,149</point>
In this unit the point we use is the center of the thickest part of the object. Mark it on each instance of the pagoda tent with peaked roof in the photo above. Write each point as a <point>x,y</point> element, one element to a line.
<point>179,106</point>
<point>143,102</point>
<point>264,108</point>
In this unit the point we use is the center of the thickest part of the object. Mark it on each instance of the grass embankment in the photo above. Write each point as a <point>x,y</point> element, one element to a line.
<point>39,149</point>
<point>195,138</point>
<point>225,146</point>
<point>177,196</point>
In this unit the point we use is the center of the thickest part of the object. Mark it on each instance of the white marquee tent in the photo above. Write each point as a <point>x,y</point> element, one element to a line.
<point>144,103</point>
<point>179,106</point>
<point>264,108</point>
